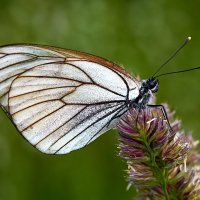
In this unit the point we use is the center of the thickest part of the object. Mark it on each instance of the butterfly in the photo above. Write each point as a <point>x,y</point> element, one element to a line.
<point>61,100</point>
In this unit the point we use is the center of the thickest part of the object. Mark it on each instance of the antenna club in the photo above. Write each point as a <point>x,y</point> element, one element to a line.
<point>189,38</point>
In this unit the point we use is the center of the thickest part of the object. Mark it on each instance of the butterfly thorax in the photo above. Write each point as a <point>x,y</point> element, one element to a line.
<point>148,87</point>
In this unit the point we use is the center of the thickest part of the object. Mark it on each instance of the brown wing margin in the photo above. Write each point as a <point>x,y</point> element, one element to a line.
<point>76,54</point>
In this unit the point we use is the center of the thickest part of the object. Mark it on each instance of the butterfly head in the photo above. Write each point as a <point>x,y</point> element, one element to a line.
<point>148,87</point>
<point>152,84</point>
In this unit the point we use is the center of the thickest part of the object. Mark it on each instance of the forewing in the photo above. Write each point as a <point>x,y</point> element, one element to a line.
<point>61,100</point>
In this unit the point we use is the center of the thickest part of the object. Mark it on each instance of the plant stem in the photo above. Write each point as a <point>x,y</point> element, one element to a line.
<point>159,173</point>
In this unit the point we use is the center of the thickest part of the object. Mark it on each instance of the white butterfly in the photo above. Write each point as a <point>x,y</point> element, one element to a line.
<point>61,100</point>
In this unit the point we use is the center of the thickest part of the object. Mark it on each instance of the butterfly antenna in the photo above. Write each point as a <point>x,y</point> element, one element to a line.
<point>172,56</point>
<point>175,72</point>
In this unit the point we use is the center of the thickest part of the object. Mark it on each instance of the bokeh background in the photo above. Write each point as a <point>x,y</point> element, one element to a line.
<point>140,35</point>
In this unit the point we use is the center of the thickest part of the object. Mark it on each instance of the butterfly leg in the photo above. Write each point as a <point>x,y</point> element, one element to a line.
<point>162,108</point>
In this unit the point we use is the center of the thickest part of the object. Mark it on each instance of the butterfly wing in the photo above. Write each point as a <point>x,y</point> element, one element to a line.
<point>15,59</point>
<point>61,100</point>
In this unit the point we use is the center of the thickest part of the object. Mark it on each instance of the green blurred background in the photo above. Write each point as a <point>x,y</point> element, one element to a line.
<point>140,34</point>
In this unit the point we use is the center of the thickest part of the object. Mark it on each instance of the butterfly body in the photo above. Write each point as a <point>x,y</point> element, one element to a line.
<point>61,100</point>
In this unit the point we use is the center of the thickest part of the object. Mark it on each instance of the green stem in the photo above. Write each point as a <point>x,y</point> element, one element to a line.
<point>160,173</point>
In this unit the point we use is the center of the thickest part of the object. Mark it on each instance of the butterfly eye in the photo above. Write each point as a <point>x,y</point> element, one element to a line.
<point>155,88</point>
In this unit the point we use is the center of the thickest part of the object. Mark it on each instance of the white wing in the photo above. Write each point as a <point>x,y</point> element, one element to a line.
<point>14,60</point>
<point>58,102</point>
